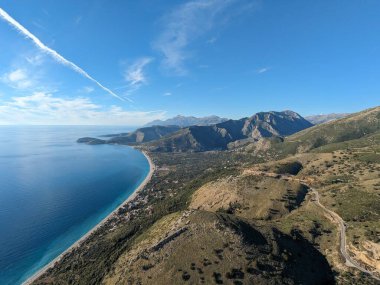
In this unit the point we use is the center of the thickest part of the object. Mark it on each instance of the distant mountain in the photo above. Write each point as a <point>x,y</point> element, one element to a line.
<point>184,121</point>
<point>219,136</point>
<point>141,135</point>
<point>320,119</point>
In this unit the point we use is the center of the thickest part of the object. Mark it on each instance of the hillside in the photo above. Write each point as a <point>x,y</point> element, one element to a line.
<point>320,119</point>
<point>198,247</point>
<point>219,136</point>
<point>240,228</point>
<point>355,126</point>
<point>186,121</point>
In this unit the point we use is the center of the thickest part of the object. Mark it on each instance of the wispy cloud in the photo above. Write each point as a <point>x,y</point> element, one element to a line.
<point>36,59</point>
<point>78,20</point>
<point>167,94</point>
<point>212,40</point>
<point>16,75</point>
<point>135,73</point>
<point>38,25</point>
<point>59,58</point>
<point>18,79</point>
<point>86,89</point>
<point>44,108</point>
<point>188,23</point>
<point>263,70</point>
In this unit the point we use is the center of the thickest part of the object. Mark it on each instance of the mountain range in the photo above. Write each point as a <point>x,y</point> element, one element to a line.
<point>185,121</point>
<point>320,119</point>
<point>219,136</point>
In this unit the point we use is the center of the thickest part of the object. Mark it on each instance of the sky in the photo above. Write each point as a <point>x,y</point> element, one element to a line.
<point>125,62</point>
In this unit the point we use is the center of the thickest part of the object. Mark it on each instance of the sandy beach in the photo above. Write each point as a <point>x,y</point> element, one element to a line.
<point>31,279</point>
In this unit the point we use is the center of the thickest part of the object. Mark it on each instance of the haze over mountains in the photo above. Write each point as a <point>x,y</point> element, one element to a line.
<point>186,121</point>
<point>323,118</point>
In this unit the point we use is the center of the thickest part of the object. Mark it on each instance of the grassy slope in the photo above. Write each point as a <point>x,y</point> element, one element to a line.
<point>218,248</point>
<point>356,126</point>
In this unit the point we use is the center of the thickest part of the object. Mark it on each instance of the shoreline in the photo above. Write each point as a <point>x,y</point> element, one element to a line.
<point>51,264</point>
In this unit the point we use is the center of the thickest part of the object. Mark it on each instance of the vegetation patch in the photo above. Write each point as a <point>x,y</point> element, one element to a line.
<point>369,157</point>
<point>292,168</point>
<point>356,205</point>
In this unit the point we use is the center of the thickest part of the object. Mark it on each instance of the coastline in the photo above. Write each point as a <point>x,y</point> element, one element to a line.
<point>51,264</point>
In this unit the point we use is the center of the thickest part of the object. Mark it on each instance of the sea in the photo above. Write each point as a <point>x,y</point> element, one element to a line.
<point>54,190</point>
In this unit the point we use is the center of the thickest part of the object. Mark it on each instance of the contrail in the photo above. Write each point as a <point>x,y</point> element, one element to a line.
<point>59,58</point>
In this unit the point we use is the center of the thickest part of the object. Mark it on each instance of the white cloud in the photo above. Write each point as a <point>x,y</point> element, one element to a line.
<point>36,59</point>
<point>263,70</point>
<point>87,89</point>
<point>44,108</point>
<point>18,79</point>
<point>135,76</point>
<point>135,73</point>
<point>55,55</point>
<point>186,24</point>
<point>16,75</point>
<point>167,94</point>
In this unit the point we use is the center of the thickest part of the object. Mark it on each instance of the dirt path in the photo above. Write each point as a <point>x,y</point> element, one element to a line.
<point>342,232</point>
<point>349,261</point>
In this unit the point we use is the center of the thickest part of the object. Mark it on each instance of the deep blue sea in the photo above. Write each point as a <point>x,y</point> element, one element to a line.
<point>54,190</point>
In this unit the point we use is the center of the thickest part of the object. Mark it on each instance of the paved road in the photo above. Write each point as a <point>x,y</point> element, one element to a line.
<point>342,226</point>
<point>343,245</point>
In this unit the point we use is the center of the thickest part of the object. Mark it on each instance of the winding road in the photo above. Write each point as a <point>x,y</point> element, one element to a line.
<point>342,232</point>
<point>349,261</point>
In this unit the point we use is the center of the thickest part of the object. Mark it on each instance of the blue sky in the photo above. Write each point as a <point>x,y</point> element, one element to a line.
<point>129,62</point>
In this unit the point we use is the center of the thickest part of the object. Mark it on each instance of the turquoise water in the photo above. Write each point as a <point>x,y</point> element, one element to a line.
<point>53,190</point>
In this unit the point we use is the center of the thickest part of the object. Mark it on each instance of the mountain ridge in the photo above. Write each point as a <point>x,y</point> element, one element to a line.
<point>186,121</point>
<point>219,136</point>
<point>324,118</point>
